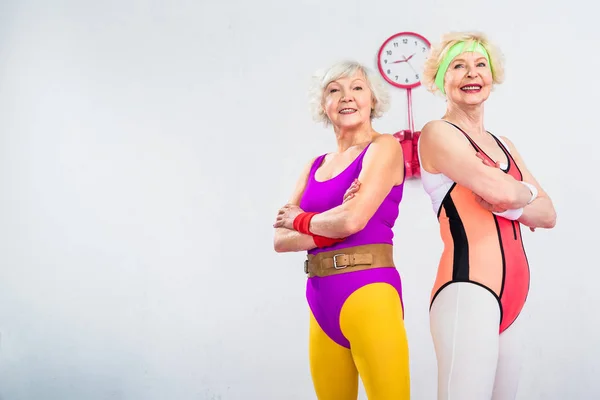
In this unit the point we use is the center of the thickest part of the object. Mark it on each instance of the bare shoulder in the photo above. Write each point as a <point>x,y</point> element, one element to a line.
<point>384,159</point>
<point>434,125</point>
<point>384,147</point>
<point>386,139</point>
<point>509,142</point>
<point>385,143</point>
<point>440,143</point>
<point>438,130</point>
<point>309,164</point>
<point>512,149</point>
<point>511,146</point>
<point>301,182</point>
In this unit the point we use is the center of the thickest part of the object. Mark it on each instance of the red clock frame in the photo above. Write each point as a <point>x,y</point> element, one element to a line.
<point>380,67</point>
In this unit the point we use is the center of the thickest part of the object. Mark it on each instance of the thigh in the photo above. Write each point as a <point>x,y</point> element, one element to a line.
<point>464,322</point>
<point>509,362</point>
<point>372,320</point>
<point>332,368</point>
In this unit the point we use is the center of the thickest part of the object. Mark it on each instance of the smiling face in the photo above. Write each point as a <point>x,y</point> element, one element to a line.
<point>468,79</point>
<point>348,101</point>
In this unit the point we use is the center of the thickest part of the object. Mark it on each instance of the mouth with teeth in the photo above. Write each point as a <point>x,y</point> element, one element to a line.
<point>471,88</point>
<point>347,111</point>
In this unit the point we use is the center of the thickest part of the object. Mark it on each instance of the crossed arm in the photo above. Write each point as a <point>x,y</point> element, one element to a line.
<point>285,239</point>
<point>382,169</point>
<point>540,213</point>
<point>445,150</point>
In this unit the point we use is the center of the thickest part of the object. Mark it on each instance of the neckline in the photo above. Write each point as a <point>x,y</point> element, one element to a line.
<point>507,163</point>
<point>314,175</point>
<point>478,148</point>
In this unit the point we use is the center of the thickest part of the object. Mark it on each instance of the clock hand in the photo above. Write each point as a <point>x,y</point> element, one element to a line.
<point>412,55</point>
<point>399,61</point>
<point>412,67</point>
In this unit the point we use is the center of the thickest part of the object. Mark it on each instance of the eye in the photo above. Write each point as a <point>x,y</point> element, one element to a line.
<point>358,88</point>
<point>482,64</point>
<point>332,90</point>
<point>456,66</point>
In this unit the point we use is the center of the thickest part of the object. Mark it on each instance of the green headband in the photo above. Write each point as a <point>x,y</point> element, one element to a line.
<point>454,51</point>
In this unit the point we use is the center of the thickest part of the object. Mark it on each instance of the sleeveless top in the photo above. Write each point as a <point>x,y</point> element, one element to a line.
<point>320,196</point>
<point>479,246</point>
<point>438,185</point>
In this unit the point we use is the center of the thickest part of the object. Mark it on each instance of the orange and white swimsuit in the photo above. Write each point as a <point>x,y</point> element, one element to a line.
<point>479,247</point>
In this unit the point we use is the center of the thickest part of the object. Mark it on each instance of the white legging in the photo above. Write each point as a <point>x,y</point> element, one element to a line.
<point>475,362</point>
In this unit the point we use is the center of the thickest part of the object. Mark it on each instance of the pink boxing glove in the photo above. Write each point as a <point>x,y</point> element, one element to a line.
<point>416,163</point>
<point>405,137</point>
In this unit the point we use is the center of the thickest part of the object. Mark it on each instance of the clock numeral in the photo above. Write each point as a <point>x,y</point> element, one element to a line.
<point>404,41</point>
<point>389,71</point>
<point>385,61</point>
<point>406,80</point>
<point>395,44</point>
<point>424,49</point>
<point>388,52</point>
<point>417,76</point>
<point>396,77</point>
<point>416,44</point>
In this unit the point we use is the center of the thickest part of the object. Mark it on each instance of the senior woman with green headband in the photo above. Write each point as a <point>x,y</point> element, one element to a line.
<point>481,192</point>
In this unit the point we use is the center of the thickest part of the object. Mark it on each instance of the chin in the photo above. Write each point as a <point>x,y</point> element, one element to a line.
<point>474,100</point>
<point>350,122</point>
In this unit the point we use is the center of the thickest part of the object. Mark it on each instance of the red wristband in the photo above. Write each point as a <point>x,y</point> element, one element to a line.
<point>302,225</point>
<point>322,241</point>
<point>302,222</point>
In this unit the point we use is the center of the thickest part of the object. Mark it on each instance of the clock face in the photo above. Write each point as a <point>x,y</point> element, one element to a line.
<point>401,59</point>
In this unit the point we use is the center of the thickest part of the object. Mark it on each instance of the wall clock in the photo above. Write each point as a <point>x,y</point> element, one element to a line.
<point>400,61</point>
<point>401,58</point>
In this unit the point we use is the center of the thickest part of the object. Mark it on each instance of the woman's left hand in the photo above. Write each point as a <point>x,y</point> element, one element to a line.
<point>481,201</point>
<point>286,216</point>
<point>351,190</point>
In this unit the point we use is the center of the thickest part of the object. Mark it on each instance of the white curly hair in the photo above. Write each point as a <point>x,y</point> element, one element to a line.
<point>343,69</point>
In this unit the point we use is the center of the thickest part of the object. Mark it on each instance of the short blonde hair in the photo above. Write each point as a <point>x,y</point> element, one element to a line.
<point>439,51</point>
<point>343,69</point>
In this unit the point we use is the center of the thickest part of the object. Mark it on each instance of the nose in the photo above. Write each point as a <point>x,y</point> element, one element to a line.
<point>347,96</point>
<point>471,71</point>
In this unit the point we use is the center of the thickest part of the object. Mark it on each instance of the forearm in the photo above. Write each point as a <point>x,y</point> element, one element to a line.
<point>508,194</point>
<point>287,240</point>
<point>336,223</point>
<point>539,214</point>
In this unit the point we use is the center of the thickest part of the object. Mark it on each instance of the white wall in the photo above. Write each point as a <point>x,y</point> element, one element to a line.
<point>145,149</point>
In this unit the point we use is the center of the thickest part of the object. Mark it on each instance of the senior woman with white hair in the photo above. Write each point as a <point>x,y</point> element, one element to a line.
<point>353,289</point>
<point>481,192</point>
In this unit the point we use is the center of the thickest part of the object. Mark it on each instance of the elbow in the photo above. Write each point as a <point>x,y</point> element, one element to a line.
<point>279,245</point>
<point>550,220</point>
<point>353,224</point>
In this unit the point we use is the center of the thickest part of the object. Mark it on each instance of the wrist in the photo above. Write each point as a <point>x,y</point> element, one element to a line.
<point>302,222</point>
<point>302,225</point>
<point>511,214</point>
<point>532,189</point>
<point>322,241</point>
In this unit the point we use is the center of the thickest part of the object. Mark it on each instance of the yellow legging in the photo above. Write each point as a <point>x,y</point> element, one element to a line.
<point>372,321</point>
